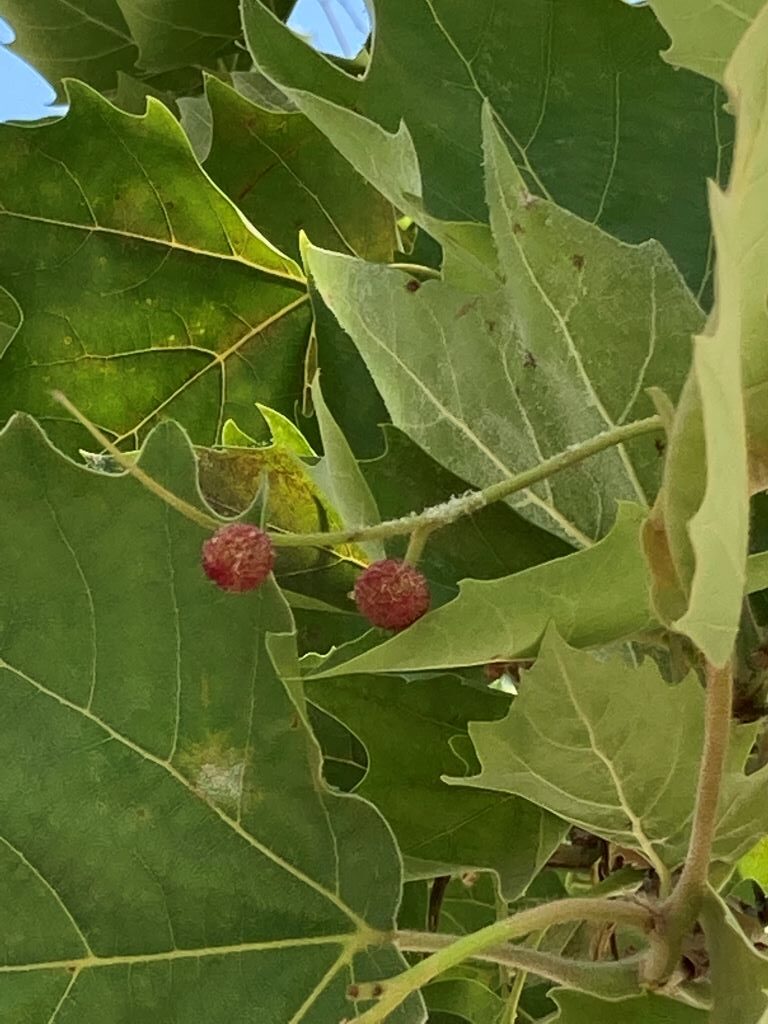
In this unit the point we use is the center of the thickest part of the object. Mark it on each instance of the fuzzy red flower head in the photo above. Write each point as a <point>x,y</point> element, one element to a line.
<point>238,557</point>
<point>392,594</point>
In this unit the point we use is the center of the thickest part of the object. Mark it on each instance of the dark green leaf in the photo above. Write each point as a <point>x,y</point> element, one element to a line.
<point>287,177</point>
<point>578,86</point>
<point>408,730</point>
<point>144,292</point>
<point>578,1008</point>
<point>177,856</point>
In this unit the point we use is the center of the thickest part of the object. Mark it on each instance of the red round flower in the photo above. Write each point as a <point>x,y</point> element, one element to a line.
<point>392,594</point>
<point>238,557</point>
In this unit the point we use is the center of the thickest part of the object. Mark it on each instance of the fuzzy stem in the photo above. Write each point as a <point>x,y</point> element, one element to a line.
<point>473,501</point>
<point>681,910</point>
<point>416,270</point>
<point>426,521</point>
<point>417,543</point>
<point>611,980</point>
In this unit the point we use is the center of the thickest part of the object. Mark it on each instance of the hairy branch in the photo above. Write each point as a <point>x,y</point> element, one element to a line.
<point>423,522</point>
<point>680,911</point>
<point>609,980</point>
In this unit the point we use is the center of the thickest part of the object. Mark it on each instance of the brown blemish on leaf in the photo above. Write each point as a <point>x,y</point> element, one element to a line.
<point>413,285</point>
<point>529,360</point>
<point>518,228</point>
<point>661,446</point>
<point>578,261</point>
<point>466,308</point>
<point>491,325</point>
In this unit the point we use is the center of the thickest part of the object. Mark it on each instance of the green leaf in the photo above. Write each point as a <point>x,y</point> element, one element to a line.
<point>705,497</point>
<point>233,437</point>
<point>340,478</point>
<point>594,597</point>
<point>168,86</point>
<point>287,177</point>
<point>348,389</point>
<point>739,974</point>
<point>466,999</point>
<point>61,40</point>
<point>231,481</point>
<point>592,740</point>
<point>704,35</point>
<point>754,863</point>
<point>578,1008</point>
<point>286,436</point>
<point>145,294</point>
<point>409,730</point>
<point>572,84</point>
<point>191,863</point>
<point>566,322</point>
<point>474,380</point>
<point>174,33</point>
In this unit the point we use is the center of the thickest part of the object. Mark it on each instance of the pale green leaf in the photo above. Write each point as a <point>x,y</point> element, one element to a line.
<point>233,437</point>
<point>754,863</point>
<point>704,34</point>
<point>704,501</point>
<point>612,749</point>
<point>594,597</point>
<point>602,321</point>
<point>408,729</point>
<point>739,974</point>
<point>144,292</point>
<point>168,850</point>
<point>457,372</point>
<point>616,750</point>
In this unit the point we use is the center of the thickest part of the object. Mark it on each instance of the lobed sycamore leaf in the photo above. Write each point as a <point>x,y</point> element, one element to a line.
<point>64,41</point>
<point>144,293</point>
<point>177,857</point>
<point>712,466</point>
<point>287,177</point>
<point>739,974</point>
<point>616,750</point>
<point>704,35</point>
<point>458,375</point>
<point>410,731</point>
